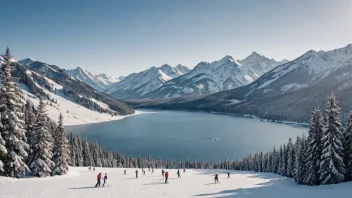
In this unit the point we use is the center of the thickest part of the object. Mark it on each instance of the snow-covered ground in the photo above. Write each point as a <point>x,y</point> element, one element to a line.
<point>194,183</point>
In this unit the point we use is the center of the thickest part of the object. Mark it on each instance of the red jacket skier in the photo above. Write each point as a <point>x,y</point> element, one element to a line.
<point>98,178</point>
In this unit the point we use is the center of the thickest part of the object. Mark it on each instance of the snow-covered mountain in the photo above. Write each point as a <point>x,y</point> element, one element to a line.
<point>255,65</point>
<point>288,92</point>
<point>99,82</point>
<point>138,84</point>
<point>78,102</point>
<point>222,75</point>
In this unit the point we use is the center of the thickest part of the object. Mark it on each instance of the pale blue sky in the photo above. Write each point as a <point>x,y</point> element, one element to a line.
<point>120,37</point>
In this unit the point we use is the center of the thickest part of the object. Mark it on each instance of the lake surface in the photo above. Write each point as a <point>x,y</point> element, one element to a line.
<point>187,135</point>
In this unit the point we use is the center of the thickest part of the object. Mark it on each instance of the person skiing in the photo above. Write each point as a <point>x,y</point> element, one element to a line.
<point>178,173</point>
<point>136,173</point>
<point>162,172</point>
<point>89,168</point>
<point>149,168</point>
<point>216,178</point>
<point>124,172</point>
<point>184,170</point>
<point>94,168</point>
<point>105,178</point>
<point>152,170</point>
<point>98,178</point>
<point>143,172</point>
<point>228,174</point>
<point>166,177</point>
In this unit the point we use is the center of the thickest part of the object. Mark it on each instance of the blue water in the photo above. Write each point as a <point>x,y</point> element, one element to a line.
<point>186,135</point>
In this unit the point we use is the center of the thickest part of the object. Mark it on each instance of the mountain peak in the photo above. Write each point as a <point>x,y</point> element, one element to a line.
<point>227,58</point>
<point>254,53</point>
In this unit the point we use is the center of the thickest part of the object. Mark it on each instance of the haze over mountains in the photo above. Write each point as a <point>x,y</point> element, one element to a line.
<point>288,92</point>
<point>138,84</point>
<point>99,82</point>
<point>225,74</point>
<point>255,85</point>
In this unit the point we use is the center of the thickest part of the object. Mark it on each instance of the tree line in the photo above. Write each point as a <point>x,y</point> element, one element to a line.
<point>91,154</point>
<point>324,157</point>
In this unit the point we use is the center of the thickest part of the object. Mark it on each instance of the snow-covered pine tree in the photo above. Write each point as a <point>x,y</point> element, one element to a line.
<point>41,163</point>
<point>29,113</point>
<point>13,133</point>
<point>61,151</point>
<point>348,148</point>
<point>283,158</point>
<point>290,158</point>
<point>86,154</point>
<point>297,153</point>
<point>274,161</point>
<point>78,151</point>
<point>280,161</point>
<point>332,169</point>
<point>314,148</point>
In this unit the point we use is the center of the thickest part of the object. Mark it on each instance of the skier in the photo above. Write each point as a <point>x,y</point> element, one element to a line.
<point>162,172</point>
<point>178,173</point>
<point>152,170</point>
<point>184,170</point>
<point>89,168</point>
<point>94,168</point>
<point>149,168</point>
<point>98,178</point>
<point>105,178</point>
<point>228,175</point>
<point>136,173</point>
<point>216,178</point>
<point>166,177</point>
<point>143,172</point>
<point>124,172</point>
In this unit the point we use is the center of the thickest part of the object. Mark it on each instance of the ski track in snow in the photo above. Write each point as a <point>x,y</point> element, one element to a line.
<point>194,183</point>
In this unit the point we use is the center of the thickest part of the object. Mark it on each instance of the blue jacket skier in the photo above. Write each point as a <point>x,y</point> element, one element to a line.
<point>105,178</point>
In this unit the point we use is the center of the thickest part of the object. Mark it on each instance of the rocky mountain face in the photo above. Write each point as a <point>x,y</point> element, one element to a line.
<point>207,78</point>
<point>38,77</point>
<point>138,84</point>
<point>99,82</point>
<point>288,92</point>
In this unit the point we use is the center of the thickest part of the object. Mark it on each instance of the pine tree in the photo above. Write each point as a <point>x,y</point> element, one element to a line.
<point>348,148</point>
<point>314,148</point>
<point>290,158</point>
<point>86,154</point>
<point>301,158</point>
<point>332,168</point>
<point>61,151</point>
<point>13,146</point>
<point>41,163</point>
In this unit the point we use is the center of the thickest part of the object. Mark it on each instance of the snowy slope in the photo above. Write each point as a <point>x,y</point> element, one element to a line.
<point>194,183</point>
<point>138,84</point>
<point>99,82</point>
<point>207,78</point>
<point>73,113</point>
<point>79,103</point>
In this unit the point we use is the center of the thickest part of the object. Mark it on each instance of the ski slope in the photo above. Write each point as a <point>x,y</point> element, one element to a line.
<point>194,183</point>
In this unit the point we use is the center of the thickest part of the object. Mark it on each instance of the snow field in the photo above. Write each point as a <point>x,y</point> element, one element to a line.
<point>80,183</point>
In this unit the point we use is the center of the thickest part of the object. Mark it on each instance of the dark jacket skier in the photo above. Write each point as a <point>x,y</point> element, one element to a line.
<point>105,178</point>
<point>178,173</point>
